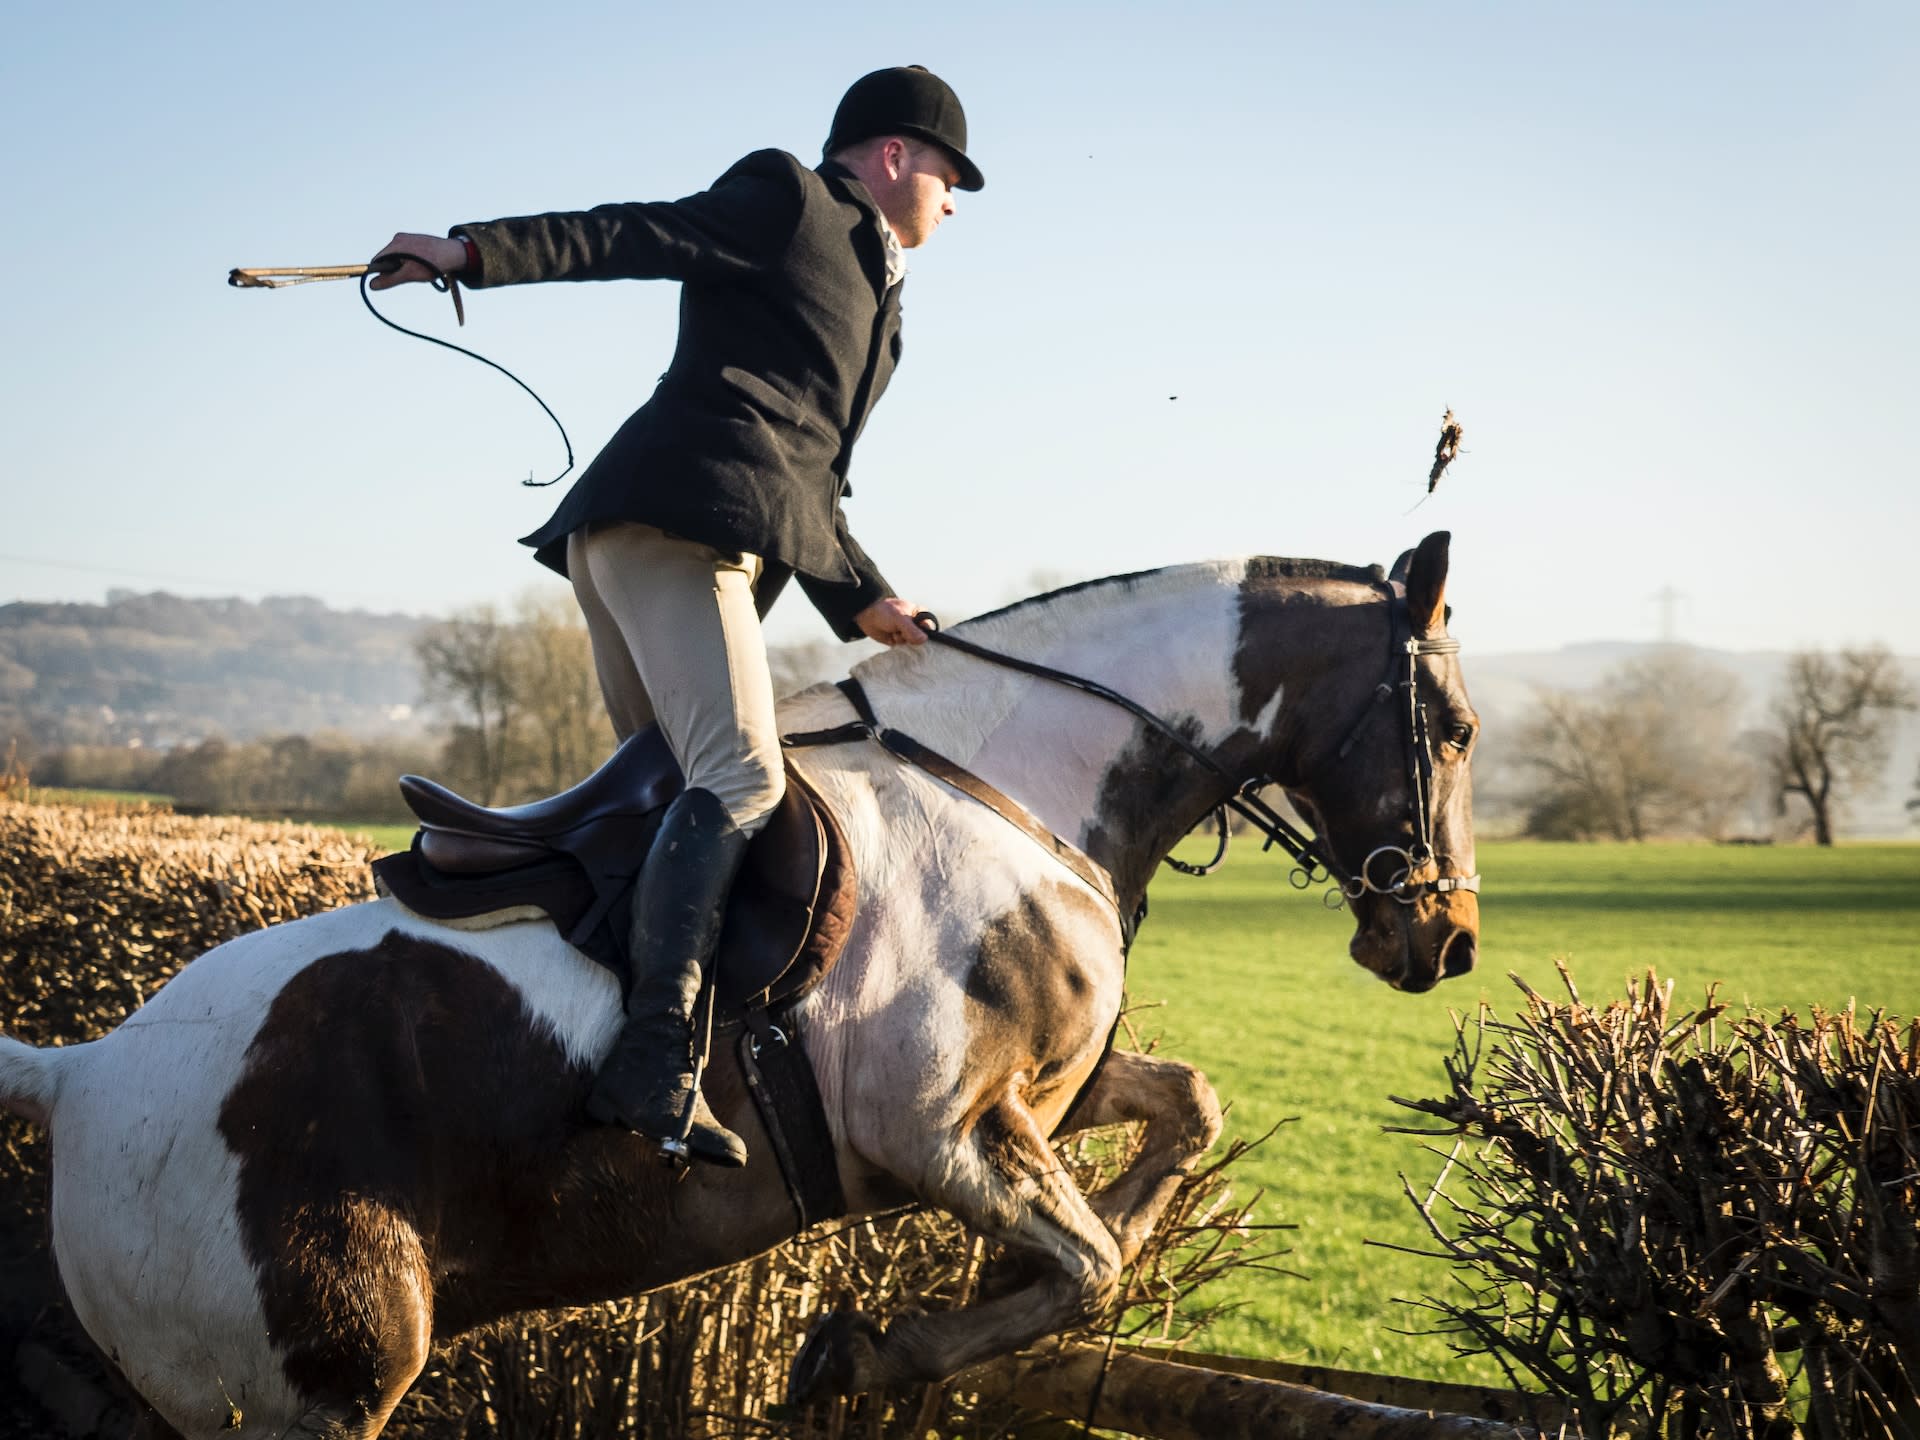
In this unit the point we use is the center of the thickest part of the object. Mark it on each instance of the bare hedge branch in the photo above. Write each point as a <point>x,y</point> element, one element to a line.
<point>1704,1220</point>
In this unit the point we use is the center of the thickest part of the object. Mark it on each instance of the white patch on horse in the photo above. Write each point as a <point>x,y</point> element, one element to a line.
<point>919,949</point>
<point>147,1232</point>
<point>899,1104</point>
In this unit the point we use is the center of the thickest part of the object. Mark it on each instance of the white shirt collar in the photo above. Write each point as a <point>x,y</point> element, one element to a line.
<point>896,253</point>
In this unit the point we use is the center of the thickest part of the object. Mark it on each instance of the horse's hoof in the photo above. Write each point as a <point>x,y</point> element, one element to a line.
<point>837,1358</point>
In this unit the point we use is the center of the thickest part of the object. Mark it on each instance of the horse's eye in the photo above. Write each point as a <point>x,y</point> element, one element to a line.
<point>1460,736</point>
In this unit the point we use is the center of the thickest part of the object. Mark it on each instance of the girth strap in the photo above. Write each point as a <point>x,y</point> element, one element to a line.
<point>780,1079</point>
<point>962,779</point>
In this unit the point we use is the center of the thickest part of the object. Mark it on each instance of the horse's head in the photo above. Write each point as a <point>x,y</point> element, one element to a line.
<point>1378,763</point>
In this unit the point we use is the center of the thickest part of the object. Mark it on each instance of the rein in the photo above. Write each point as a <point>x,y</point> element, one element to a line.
<point>868,727</point>
<point>1313,860</point>
<point>270,278</point>
<point>1245,800</point>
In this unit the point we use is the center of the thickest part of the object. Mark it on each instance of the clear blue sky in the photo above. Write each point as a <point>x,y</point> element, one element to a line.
<point>1659,258</point>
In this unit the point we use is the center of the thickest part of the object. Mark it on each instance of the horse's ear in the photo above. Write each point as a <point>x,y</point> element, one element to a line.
<point>1426,576</point>
<point>1399,571</point>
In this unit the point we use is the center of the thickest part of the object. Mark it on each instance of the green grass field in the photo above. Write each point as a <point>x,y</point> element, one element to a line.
<point>1252,982</point>
<point>383,837</point>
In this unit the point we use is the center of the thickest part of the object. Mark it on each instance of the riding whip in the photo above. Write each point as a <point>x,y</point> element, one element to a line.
<point>278,278</point>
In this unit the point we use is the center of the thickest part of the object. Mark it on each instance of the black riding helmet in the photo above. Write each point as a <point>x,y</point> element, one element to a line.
<point>905,100</point>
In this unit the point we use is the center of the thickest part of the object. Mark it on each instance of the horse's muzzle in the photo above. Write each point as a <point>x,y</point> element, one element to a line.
<point>1413,948</point>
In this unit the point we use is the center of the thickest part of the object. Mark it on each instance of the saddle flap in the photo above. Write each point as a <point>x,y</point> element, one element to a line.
<point>791,912</point>
<point>459,853</point>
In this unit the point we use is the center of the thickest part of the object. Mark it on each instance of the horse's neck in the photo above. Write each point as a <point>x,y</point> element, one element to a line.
<point>1167,641</point>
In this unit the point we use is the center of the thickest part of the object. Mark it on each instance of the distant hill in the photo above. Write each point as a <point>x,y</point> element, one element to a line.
<point>158,670</point>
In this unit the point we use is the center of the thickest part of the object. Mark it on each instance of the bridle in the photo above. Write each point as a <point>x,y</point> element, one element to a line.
<point>1313,858</point>
<point>1416,744</point>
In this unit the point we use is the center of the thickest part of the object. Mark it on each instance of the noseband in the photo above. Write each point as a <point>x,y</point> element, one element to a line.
<point>1313,859</point>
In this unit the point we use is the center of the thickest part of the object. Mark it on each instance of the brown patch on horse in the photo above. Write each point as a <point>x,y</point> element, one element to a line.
<point>1138,814</point>
<point>404,1123</point>
<point>1029,993</point>
<point>1261,659</point>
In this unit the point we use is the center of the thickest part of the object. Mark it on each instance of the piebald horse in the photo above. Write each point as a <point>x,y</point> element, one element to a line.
<point>325,1145</point>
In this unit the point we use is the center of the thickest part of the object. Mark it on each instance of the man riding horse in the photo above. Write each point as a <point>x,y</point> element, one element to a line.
<point>719,489</point>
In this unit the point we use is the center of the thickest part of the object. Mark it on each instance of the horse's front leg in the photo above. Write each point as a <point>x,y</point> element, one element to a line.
<point>1002,1179</point>
<point>1182,1119</point>
<point>1182,1115</point>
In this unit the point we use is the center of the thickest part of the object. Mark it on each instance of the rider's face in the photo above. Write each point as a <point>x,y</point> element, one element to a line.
<point>920,194</point>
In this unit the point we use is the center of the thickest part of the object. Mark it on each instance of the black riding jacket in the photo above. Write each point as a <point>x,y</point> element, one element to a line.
<point>788,336</point>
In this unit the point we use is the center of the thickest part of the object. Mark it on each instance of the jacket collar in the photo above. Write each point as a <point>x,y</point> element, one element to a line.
<point>873,255</point>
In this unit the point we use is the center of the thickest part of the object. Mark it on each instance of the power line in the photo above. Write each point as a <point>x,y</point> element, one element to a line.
<point>130,574</point>
<point>337,599</point>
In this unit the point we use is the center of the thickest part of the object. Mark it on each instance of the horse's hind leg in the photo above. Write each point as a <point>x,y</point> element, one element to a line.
<point>1183,1120</point>
<point>1003,1180</point>
<point>352,1296</point>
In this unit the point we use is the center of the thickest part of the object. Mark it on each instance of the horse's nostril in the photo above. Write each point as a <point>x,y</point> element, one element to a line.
<point>1458,956</point>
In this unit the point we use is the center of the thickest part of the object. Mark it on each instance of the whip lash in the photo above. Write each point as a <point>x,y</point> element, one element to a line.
<point>269,277</point>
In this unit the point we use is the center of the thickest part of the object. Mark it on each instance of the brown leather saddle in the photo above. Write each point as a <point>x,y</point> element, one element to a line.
<point>575,856</point>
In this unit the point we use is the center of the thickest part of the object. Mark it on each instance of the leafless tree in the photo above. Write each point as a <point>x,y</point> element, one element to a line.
<point>1829,728</point>
<point>465,665</point>
<point>1650,750</point>
<point>564,732</point>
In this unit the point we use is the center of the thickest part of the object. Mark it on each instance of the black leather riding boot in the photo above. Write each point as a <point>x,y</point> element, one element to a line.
<point>646,1083</point>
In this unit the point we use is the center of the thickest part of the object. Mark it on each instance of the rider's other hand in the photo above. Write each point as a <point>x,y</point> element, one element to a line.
<point>890,621</point>
<point>450,255</point>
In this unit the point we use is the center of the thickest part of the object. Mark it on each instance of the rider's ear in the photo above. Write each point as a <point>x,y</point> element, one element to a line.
<point>1427,585</point>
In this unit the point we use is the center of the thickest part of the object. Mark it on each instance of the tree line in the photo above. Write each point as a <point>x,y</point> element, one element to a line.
<point>1656,749</point>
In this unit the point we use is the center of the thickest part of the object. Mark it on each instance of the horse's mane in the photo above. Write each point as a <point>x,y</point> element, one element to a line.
<point>1176,577</point>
